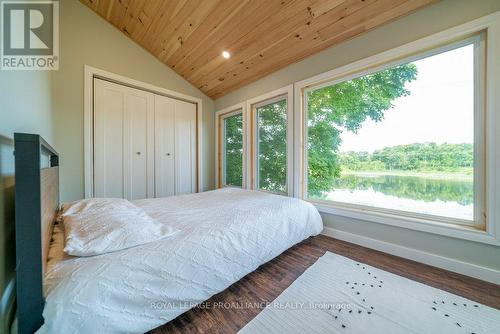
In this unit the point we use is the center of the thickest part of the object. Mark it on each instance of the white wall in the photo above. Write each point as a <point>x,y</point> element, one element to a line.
<point>87,39</point>
<point>427,21</point>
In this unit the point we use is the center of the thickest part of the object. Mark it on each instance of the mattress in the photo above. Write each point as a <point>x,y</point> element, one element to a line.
<point>223,235</point>
<point>56,249</point>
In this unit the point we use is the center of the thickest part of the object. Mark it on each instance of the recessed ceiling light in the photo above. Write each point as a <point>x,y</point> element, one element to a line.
<point>226,54</point>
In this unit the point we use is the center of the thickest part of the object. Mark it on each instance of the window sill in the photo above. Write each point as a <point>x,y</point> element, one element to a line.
<point>417,224</point>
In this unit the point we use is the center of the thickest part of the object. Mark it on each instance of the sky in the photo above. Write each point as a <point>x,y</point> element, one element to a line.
<point>439,108</point>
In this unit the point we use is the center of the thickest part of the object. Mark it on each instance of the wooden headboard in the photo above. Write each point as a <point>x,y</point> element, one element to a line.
<point>36,206</point>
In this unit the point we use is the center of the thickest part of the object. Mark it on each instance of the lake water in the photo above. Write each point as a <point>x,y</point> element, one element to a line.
<point>440,197</point>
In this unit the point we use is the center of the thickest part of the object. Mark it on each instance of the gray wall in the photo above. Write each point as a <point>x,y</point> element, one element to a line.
<point>432,19</point>
<point>25,106</point>
<point>26,103</point>
<point>50,103</point>
<point>87,39</point>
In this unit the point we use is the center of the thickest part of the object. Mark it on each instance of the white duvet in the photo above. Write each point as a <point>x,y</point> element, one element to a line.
<point>224,235</point>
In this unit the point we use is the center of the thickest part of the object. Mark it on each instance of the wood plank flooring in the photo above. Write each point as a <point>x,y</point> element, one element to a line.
<point>269,280</point>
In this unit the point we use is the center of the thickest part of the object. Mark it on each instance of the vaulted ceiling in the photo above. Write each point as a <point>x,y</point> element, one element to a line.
<point>262,36</point>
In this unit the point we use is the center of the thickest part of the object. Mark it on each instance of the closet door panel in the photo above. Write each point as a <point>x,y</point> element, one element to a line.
<point>123,141</point>
<point>164,146</point>
<point>185,148</point>
<point>109,102</point>
<point>138,107</point>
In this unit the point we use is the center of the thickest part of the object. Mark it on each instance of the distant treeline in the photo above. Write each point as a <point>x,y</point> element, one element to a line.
<point>412,157</point>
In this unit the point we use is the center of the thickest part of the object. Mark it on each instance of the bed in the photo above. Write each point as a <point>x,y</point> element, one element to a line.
<point>222,236</point>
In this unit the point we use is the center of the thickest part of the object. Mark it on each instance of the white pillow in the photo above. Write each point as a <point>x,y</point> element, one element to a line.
<point>102,225</point>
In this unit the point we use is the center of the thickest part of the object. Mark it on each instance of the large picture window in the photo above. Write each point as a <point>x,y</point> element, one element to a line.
<point>270,145</point>
<point>405,138</point>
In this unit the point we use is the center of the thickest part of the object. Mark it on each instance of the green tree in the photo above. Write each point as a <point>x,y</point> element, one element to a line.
<point>271,148</point>
<point>412,157</point>
<point>330,110</point>
<point>344,107</point>
<point>233,150</point>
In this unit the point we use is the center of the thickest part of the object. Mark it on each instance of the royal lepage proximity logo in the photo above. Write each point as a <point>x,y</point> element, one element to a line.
<point>30,35</point>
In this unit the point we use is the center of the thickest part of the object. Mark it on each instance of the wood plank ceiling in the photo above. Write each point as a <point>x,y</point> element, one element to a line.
<point>262,36</point>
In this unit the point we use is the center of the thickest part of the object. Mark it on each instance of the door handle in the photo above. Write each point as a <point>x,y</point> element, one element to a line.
<point>138,153</point>
<point>167,154</point>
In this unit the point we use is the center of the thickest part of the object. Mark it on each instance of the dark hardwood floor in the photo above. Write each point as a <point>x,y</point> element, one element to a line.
<point>269,280</point>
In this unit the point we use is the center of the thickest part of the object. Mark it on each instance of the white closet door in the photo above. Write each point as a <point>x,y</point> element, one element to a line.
<point>123,143</point>
<point>185,147</point>
<point>109,103</point>
<point>138,152</point>
<point>164,146</point>
<point>175,147</point>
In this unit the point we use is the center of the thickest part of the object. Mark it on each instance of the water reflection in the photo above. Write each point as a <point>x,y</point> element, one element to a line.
<point>443,197</point>
<point>419,188</point>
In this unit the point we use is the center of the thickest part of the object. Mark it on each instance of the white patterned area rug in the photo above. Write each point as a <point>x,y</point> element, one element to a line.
<point>339,295</point>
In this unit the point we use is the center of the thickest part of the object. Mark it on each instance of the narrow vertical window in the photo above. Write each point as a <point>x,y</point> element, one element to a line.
<point>270,121</point>
<point>231,150</point>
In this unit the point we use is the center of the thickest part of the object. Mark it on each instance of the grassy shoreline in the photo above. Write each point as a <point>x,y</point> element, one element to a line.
<point>463,175</point>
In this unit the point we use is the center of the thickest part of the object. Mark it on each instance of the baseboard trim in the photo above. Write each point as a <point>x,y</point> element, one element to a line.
<point>464,268</point>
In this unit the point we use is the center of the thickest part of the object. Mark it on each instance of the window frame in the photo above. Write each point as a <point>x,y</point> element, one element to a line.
<point>223,143</point>
<point>489,198</point>
<point>252,105</point>
<point>254,163</point>
<point>478,222</point>
<point>220,116</point>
